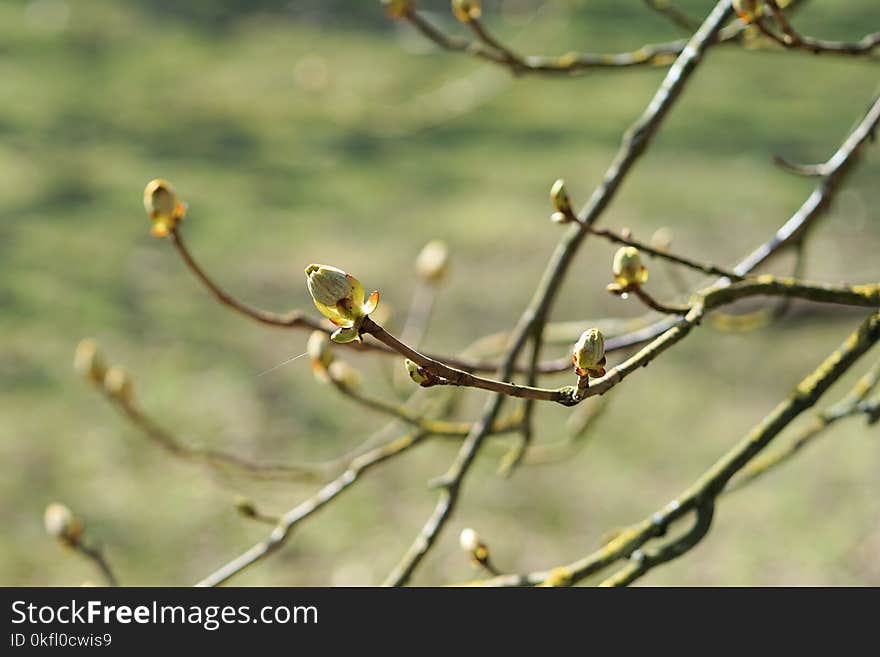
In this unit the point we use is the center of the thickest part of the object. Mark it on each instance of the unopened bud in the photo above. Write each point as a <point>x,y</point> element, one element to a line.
<point>416,372</point>
<point>559,197</point>
<point>661,239</point>
<point>466,10</point>
<point>60,523</point>
<point>87,361</point>
<point>344,374</point>
<point>748,10</point>
<point>163,206</point>
<point>470,542</point>
<point>432,263</point>
<point>340,297</point>
<point>117,384</point>
<point>319,350</point>
<point>560,218</point>
<point>627,267</point>
<point>589,353</point>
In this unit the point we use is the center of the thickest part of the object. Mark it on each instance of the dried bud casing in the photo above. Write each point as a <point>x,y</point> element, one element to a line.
<point>60,523</point>
<point>432,263</point>
<point>627,267</point>
<point>87,361</point>
<point>467,10</point>
<point>163,207</point>
<point>588,354</point>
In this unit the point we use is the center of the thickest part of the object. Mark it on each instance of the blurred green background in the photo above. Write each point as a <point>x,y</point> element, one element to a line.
<point>316,131</point>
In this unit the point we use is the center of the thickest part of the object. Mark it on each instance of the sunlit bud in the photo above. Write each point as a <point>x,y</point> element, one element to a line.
<point>559,197</point>
<point>470,542</point>
<point>318,348</point>
<point>245,507</point>
<point>117,384</point>
<point>398,8</point>
<point>163,206</point>
<point>60,523</point>
<point>87,361</point>
<point>560,218</point>
<point>628,268</point>
<point>340,297</point>
<point>466,10</point>
<point>432,263</point>
<point>748,10</point>
<point>589,353</point>
<point>344,374</point>
<point>416,373</point>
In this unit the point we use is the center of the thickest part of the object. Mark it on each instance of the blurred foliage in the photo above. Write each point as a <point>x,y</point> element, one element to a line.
<point>319,132</point>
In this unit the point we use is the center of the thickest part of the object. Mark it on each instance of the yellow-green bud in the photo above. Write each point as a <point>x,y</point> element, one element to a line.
<point>589,353</point>
<point>748,10</point>
<point>318,348</point>
<point>628,268</point>
<point>60,523</point>
<point>87,361</point>
<point>398,8</point>
<point>344,374</point>
<point>559,197</point>
<point>416,373</point>
<point>339,297</point>
<point>117,384</point>
<point>466,10</point>
<point>163,206</point>
<point>432,263</point>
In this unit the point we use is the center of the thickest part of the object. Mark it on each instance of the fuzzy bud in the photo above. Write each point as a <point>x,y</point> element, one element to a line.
<point>432,263</point>
<point>589,353</point>
<point>560,218</point>
<point>627,267</point>
<point>118,385</point>
<point>467,10</point>
<point>60,523</point>
<point>87,361</point>
<point>163,207</point>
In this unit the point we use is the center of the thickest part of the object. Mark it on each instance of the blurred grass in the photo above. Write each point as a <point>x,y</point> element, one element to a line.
<point>308,133</point>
